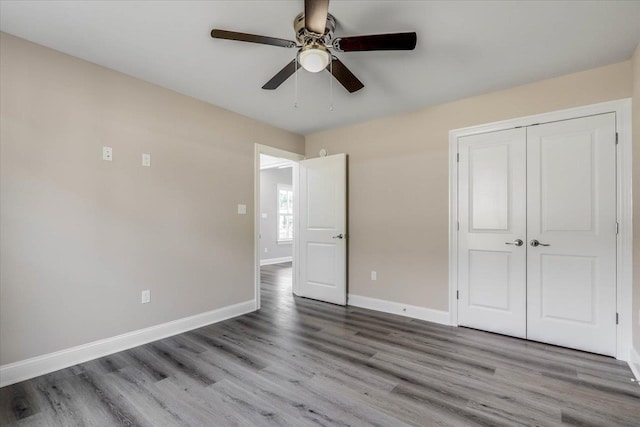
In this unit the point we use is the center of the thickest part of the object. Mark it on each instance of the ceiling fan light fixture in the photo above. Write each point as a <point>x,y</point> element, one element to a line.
<point>314,32</point>
<point>314,58</point>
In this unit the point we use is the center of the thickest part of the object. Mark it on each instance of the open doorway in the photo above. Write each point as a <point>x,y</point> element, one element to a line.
<point>318,196</point>
<point>276,226</point>
<point>276,210</point>
<point>275,222</point>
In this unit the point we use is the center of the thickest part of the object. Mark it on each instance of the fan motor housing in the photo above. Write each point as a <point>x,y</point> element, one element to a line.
<point>305,37</point>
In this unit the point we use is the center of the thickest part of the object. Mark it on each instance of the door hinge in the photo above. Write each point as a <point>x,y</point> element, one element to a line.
<point>458,157</point>
<point>458,225</point>
<point>617,318</point>
<point>616,138</point>
<point>617,228</point>
<point>457,294</point>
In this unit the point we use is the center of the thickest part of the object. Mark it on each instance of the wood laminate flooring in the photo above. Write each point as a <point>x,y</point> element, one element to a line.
<point>300,362</point>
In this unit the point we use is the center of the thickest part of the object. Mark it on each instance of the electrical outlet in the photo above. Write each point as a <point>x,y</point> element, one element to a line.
<point>266,250</point>
<point>242,209</point>
<point>146,296</point>
<point>146,159</point>
<point>374,275</point>
<point>107,154</point>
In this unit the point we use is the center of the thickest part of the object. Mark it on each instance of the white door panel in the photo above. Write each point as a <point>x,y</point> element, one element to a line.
<point>489,274</point>
<point>492,213</point>
<point>571,199</point>
<point>323,228</point>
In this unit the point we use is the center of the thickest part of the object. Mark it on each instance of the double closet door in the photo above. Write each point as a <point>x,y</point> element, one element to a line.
<point>537,233</point>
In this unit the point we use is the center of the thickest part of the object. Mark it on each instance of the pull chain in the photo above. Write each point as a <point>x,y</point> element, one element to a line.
<point>331,83</point>
<point>295,96</point>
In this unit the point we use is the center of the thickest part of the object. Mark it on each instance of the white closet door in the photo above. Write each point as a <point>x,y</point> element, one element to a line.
<point>492,214</point>
<point>571,197</point>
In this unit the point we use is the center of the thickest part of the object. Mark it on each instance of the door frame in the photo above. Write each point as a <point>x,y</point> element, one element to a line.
<point>295,157</point>
<point>624,247</point>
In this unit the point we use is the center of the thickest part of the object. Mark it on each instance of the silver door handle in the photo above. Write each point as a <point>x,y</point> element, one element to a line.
<point>339,236</point>
<point>535,243</point>
<point>517,242</point>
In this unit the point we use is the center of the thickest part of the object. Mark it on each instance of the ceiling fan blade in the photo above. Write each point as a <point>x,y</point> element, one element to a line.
<point>395,41</point>
<point>252,38</point>
<point>344,75</point>
<point>315,15</point>
<point>282,75</point>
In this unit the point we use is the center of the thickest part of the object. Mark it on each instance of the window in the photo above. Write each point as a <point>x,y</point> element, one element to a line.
<point>285,213</point>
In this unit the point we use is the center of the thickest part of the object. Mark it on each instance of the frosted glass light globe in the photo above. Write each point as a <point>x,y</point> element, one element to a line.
<point>314,59</point>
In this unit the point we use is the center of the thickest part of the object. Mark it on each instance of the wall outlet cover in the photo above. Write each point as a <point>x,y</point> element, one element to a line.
<point>242,209</point>
<point>146,296</point>
<point>146,159</point>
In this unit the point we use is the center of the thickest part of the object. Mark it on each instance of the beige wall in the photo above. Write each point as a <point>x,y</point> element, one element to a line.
<point>636,198</point>
<point>80,237</point>
<point>398,174</point>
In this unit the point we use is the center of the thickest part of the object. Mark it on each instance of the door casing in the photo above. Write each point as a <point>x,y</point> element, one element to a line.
<point>624,266</point>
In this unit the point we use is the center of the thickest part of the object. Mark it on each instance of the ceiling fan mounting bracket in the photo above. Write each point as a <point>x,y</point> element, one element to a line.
<point>305,37</point>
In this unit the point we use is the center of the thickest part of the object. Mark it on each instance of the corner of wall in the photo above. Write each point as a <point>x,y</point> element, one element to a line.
<point>634,363</point>
<point>635,350</point>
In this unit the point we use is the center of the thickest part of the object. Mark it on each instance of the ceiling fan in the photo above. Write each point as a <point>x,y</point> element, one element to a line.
<point>314,32</point>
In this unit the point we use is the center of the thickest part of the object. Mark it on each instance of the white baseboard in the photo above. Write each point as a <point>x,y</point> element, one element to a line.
<point>422,313</point>
<point>29,368</point>
<point>634,363</point>
<point>276,260</point>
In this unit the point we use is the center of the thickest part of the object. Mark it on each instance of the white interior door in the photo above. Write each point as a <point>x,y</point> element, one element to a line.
<point>571,279</point>
<point>492,215</point>
<point>323,228</point>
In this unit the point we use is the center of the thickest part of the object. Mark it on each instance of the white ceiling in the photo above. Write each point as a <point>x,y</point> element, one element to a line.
<point>464,49</point>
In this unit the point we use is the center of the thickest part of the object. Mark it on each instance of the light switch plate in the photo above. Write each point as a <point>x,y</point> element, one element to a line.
<point>146,159</point>
<point>242,209</point>
<point>107,154</point>
<point>146,296</point>
<point>264,215</point>
<point>374,275</point>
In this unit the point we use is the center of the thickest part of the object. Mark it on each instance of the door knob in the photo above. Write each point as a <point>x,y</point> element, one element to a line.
<point>517,242</point>
<point>339,236</point>
<point>535,243</point>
